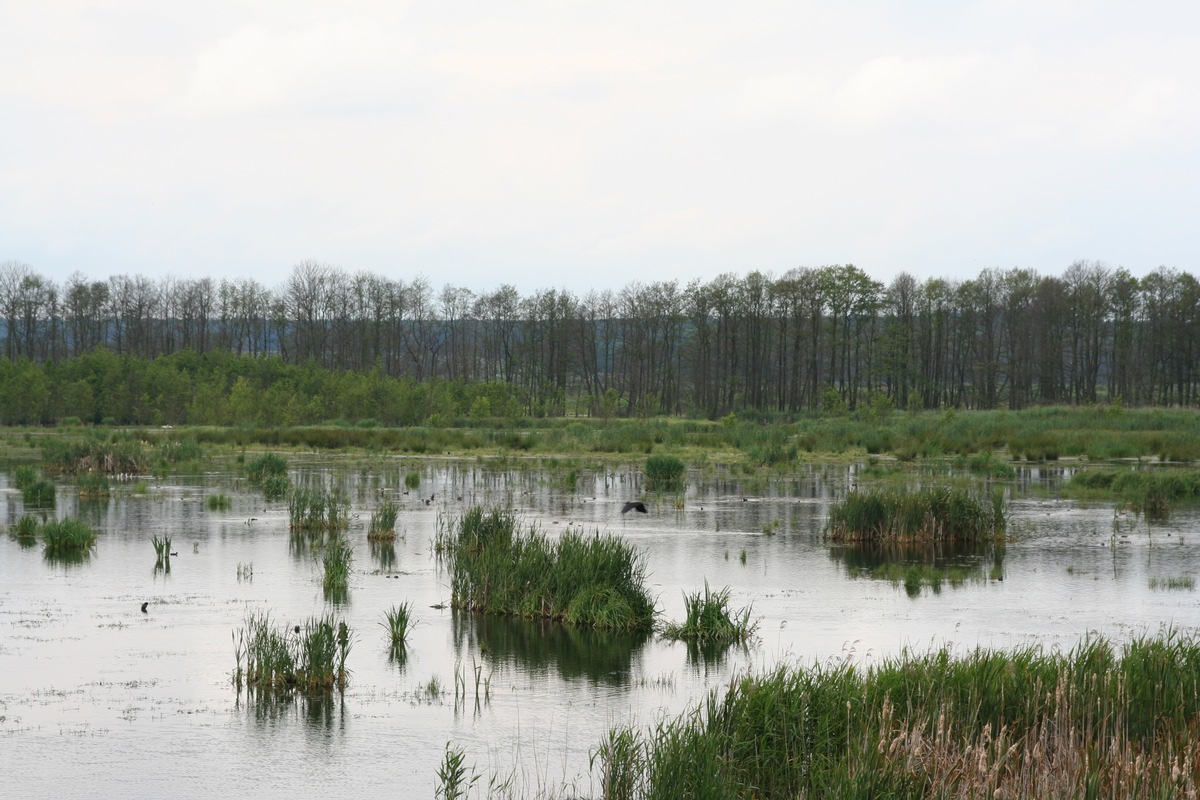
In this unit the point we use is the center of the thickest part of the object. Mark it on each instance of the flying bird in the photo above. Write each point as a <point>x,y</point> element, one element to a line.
<point>634,505</point>
<point>144,607</point>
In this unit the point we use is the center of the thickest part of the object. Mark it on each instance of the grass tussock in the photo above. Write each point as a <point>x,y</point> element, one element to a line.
<point>930,514</point>
<point>93,485</point>
<point>118,454</point>
<point>398,621</point>
<point>41,493</point>
<point>337,561</point>
<point>218,502</point>
<point>1100,721</point>
<point>317,511</point>
<point>663,470</point>
<point>709,620</point>
<point>25,475</point>
<point>596,581</point>
<point>26,528</point>
<point>382,526</point>
<point>282,660</point>
<point>68,537</point>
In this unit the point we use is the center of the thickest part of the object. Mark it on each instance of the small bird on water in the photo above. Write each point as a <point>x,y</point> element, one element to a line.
<point>634,505</point>
<point>144,607</point>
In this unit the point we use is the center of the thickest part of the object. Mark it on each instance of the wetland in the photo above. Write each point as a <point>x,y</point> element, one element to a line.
<point>101,698</point>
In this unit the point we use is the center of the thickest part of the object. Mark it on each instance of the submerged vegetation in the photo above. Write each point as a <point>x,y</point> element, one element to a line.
<point>936,513</point>
<point>281,660</point>
<point>596,581</point>
<point>1100,721</point>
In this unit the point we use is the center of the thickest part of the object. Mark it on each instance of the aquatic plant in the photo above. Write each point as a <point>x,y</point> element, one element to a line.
<point>398,620</point>
<point>596,581</point>
<point>1098,721</point>
<point>383,521</point>
<point>315,511</point>
<point>25,475</point>
<point>709,620</point>
<point>68,537</point>
<point>276,486</point>
<point>281,659</point>
<point>337,560</point>
<point>455,780</point>
<point>218,502</point>
<point>1185,582</point>
<point>663,469</point>
<point>412,480</point>
<point>41,494</point>
<point>93,485</point>
<point>120,453</point>
<point>929,514</point>
<point>1150,492</point>
<point>162,546</point>
<point>26,527</point>
<point>265,466</point>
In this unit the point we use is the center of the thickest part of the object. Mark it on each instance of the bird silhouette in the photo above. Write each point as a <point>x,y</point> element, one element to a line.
<point>144,607</point>
<point>634,505</point>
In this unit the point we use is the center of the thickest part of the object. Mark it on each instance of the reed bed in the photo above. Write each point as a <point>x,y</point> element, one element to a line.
<point>119,454</point>
<point>68,537</point>
<point>596,581</point>
<point>264,466</point>
<point>929,514</point>
<point>382,526</point>
<point>709,620</point>
<point>281,660</point>
<point>1150,492</point>
<point>1100,721</point>
<point>317,511</point>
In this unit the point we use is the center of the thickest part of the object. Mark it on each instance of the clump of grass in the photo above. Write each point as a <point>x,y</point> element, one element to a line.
<point>25,475</point>
<point>26,527</point>
<point>119,454</point>
<point>276,486</point>
<point>68,537</point>
<point>1098,721</point>
<point>218,502</point>
<point>398,621</point>
<point>596,581</point>
<point>412,480</point>
<point>259,468</point>
<point>1150,492</point>
<point>663,470</point>
<point>39,494</point>
<point>709,620</point>
<point>93,485</point>
<point>1179,582</point>
<point>315,511</point>
<point>928,514</point>
<point>337,560</point>
<point>383,522</point>
<point>280,660</point>
<point>162,546</point>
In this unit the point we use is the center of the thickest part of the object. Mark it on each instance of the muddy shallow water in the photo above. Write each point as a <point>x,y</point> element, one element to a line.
<point>99,699</point>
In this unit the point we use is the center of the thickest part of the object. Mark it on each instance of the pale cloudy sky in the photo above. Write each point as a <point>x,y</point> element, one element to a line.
<point>589,144</point>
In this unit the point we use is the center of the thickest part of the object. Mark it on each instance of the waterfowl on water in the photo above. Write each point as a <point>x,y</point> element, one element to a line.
<point>634,505</point>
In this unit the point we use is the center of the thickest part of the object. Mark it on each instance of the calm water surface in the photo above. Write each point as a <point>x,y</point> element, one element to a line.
<point>100,700</point>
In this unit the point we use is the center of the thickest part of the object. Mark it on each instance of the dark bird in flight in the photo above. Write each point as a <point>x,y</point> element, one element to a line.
<point>144,606</point>
<point>634,505</point>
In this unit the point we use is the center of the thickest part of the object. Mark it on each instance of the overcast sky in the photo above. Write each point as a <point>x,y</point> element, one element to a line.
<point>589,144</point>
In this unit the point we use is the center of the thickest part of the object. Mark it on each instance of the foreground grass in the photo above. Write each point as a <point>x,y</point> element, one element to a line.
<point>495,568</point>
<point>1100,721</point>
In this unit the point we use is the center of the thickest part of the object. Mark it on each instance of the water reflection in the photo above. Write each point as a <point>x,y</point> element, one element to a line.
<point>324,713</point>
<point>571,651</point>
<point>918,565</point>
<point>383,553</point>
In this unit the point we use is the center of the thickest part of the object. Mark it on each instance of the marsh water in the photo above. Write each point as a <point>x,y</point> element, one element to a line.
<point>98,699</point>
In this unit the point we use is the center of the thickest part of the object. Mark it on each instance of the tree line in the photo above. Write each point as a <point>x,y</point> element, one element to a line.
<point>813,338</point>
